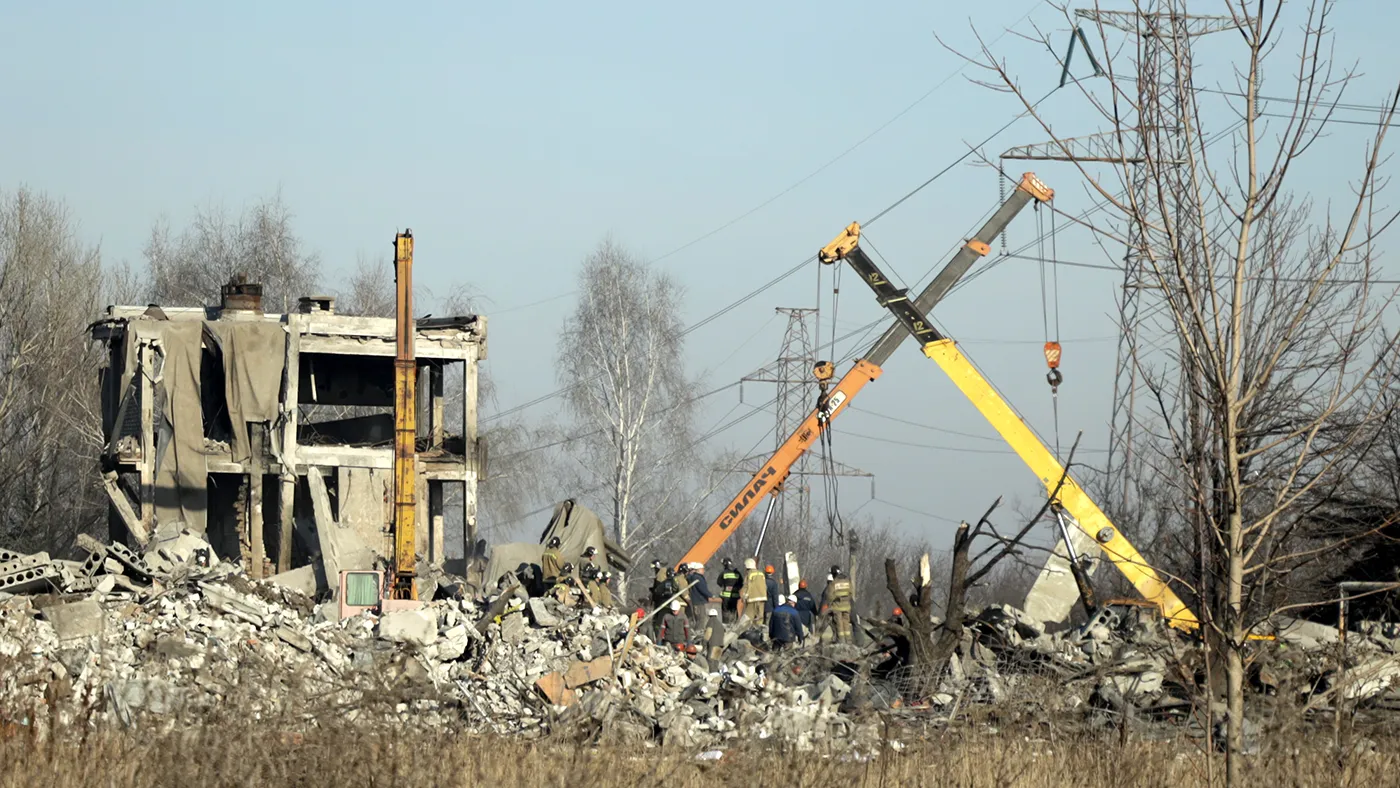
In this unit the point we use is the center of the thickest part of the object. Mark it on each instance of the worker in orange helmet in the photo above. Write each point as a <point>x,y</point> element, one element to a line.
<point>770,584</point>
<point>806,605</point>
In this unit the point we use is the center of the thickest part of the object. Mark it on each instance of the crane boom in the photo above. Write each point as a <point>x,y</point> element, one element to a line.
<point>1063,489</point>
<point>771,475</point>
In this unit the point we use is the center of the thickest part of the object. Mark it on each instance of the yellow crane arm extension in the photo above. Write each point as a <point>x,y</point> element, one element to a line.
<point>1071,496</point>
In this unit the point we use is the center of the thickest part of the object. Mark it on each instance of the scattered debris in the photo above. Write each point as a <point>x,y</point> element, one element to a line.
<point>122,636</point>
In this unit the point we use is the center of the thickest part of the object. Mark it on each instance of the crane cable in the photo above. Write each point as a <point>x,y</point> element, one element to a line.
<point>830,494</point>
<point>1050,296</point>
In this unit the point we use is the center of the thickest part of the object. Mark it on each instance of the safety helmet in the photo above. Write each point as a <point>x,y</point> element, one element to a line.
<point>590,551</point>
<point>768,570</point>
<point>553,541</point>
<point>899,611</point>
<point>675,606</point>
<point>697,566</point>
<point>567,568</point>
<point>656,563</point>
<point>749,563</point>
<point>727,563</point>
<point>835,569</point>
<point>782,599</point>
<point>802,584</point>
<point>670,572</point>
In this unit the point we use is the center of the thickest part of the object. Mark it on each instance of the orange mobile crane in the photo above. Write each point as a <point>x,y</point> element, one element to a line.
<point>830,403</point>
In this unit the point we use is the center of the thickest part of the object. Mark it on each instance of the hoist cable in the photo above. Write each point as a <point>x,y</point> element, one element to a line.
<point>1055,272</point>
<point>1040,253</point>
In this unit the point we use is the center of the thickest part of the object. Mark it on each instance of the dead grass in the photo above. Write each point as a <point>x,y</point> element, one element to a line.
<point>243,755</point>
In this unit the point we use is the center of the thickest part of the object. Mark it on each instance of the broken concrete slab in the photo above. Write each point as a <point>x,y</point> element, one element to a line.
<point>581,673</point>
<point>34,578</point>
<point>153,695</point>
<point>233,603</point>
<point>76,620</point>
<point>541,613</point>
<point>293,638</point>
<point>552,686</point>
<point>302,580</point>
<point>415,627</point>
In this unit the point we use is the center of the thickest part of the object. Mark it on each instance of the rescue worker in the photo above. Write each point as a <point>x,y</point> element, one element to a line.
<point>755,593</point>
<point>552,563</point>
<point>773,587</point>
<point>661,593</point>
<point>675,629</point>
<point>784,625</point>
<point>589,562</point>
<point>840,588</point>
<point>604,593</point>
<point>714,638</point>
<point>806,605</point>
<point>589,574</point>
<point>700,596</point>
<point>730,581</point>
<point>565,586</point>
<point>658,586</point>
<point>682,588</point>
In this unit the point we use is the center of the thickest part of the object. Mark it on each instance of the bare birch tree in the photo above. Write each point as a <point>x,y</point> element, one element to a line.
<point>188,267</point>
<point>622,358</point>
<point>1270,384</point>
<point>50,433</point>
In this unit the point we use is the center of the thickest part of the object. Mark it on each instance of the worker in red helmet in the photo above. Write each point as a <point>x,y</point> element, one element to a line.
<point>806,605</point>
<point>774,589</point>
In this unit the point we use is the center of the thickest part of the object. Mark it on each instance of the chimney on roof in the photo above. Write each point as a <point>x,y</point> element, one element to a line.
<point>240,295</point>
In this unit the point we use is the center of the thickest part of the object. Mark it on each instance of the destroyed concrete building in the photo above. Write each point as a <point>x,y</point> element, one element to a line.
<point>272,434</point>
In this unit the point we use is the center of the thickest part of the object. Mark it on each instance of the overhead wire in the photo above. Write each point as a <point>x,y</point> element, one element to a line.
<point>659,462</point>
<point>843,154</point>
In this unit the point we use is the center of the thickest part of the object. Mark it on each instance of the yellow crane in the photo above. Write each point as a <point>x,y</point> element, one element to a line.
<point>404,574</point>
<point>1067,495</point>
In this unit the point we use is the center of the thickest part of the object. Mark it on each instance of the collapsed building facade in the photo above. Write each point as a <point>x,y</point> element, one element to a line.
<point>272,434</point>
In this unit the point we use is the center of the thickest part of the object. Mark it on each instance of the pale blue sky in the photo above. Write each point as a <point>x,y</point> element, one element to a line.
<point>513,137</point>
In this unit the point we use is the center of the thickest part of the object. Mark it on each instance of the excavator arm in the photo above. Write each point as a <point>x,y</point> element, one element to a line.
<point>1065,491</point>
<point>771,475</point>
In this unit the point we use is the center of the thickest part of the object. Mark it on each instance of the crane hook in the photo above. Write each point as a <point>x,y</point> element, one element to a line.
<point>1052,360</point>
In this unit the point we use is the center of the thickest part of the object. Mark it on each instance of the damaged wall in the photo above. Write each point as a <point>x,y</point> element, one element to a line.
<point>260,403</point>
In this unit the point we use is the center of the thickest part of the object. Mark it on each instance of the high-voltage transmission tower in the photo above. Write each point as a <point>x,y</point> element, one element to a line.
<point>1163,78</point>
<point>796,386</point>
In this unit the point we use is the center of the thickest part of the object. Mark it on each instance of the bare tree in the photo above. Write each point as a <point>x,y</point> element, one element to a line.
<point>1270,384</point>
<point>49,430</point>
<point>621,357</point>
<point>189,266</point>
<point>369,290</point>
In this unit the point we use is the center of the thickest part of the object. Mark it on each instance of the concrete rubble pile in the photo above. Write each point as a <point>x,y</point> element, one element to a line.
<point>133,638</point>
<point>126,638</point>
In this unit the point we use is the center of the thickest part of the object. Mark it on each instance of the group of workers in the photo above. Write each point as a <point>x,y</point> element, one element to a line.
<point>589,584</point>
<point>753,600</point>
<point>689,616</point>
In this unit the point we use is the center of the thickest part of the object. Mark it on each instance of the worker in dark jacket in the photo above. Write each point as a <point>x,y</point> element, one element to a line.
<point>699,593</point>
<point>774,587</point>
<point>785,625</point>
<point>675,629</point>
<point>806,605</point>
<point>730,583</point>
